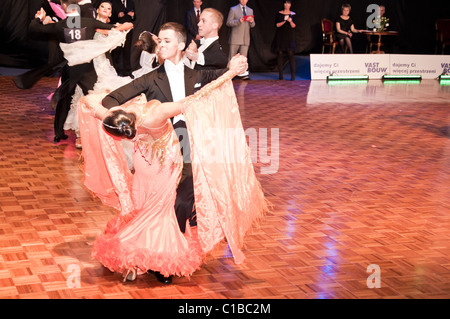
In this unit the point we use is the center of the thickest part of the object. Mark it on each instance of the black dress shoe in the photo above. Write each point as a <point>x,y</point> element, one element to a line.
<point>56,139</point>
<point>162,279</point>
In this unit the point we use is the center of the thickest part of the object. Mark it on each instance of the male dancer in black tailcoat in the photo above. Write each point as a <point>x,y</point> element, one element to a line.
<point>73,28</point>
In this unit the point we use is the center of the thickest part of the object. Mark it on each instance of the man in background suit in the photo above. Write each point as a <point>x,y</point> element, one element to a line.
<point>87,9</point>
<point>240,19</point>
<point>209,54</point>
<point>191,21</point>
<point>123,11</point>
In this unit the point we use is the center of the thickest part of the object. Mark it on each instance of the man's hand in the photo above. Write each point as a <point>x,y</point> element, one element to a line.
<point>47,20</point>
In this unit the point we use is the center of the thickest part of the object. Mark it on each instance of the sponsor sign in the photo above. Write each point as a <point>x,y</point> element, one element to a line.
<point>377,65</point>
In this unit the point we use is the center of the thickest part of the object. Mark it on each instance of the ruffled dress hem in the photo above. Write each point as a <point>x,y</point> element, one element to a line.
<point>119,257</point>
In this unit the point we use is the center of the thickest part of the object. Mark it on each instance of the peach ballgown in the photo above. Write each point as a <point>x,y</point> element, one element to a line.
<point>145,233</point>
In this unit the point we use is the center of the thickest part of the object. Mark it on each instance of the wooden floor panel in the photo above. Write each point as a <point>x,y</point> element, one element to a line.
<point>357,183</point>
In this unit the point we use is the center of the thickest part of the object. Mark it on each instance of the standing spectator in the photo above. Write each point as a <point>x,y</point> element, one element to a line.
<point>240,19</point>
<point>123,11</point>
<point>191,21</point>
<point>285,38</point>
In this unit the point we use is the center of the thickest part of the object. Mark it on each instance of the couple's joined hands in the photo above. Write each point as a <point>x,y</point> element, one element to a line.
<point>192,51</point>
<point>238,64</point>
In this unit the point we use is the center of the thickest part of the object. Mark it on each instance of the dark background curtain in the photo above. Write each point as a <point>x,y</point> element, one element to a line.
<point>412,18</point>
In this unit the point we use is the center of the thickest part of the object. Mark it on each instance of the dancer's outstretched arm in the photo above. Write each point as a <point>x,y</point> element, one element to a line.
<point>159,112</point>
<point>155,114</point>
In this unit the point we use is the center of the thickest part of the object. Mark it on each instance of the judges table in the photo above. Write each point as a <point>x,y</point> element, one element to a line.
<point>379,34</point>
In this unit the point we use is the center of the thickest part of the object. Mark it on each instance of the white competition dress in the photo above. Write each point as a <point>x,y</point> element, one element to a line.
<point>107,77</point>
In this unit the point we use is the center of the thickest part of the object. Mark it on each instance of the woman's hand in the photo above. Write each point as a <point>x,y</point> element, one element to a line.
<point>41,14</point>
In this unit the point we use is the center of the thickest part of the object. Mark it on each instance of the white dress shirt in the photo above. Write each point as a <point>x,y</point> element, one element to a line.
<point>175,74</point>
<point>204,44</point>
<point>242,9</point>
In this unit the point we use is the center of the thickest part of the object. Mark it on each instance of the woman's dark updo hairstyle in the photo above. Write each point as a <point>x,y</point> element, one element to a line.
<point>146,42</point>
<point>98,6</point>
<point>121,124</point>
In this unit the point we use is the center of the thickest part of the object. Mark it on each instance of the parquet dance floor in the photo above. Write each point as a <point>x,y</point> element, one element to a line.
<point>358,175</point>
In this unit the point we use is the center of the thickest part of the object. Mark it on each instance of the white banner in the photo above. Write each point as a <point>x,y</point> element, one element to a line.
<point>373,65</point>
<point>429,66</point>
<point>375,92</point>
<point>377,65</point>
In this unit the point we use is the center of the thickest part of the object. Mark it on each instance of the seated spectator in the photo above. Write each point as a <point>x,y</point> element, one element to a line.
<point>345,28</point>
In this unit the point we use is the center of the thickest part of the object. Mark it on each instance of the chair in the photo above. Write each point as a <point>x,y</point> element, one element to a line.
<point>328,35</point>
<point>442,34</point>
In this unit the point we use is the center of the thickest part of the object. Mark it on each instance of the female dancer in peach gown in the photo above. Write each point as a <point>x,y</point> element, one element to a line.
<point>145,235</point>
